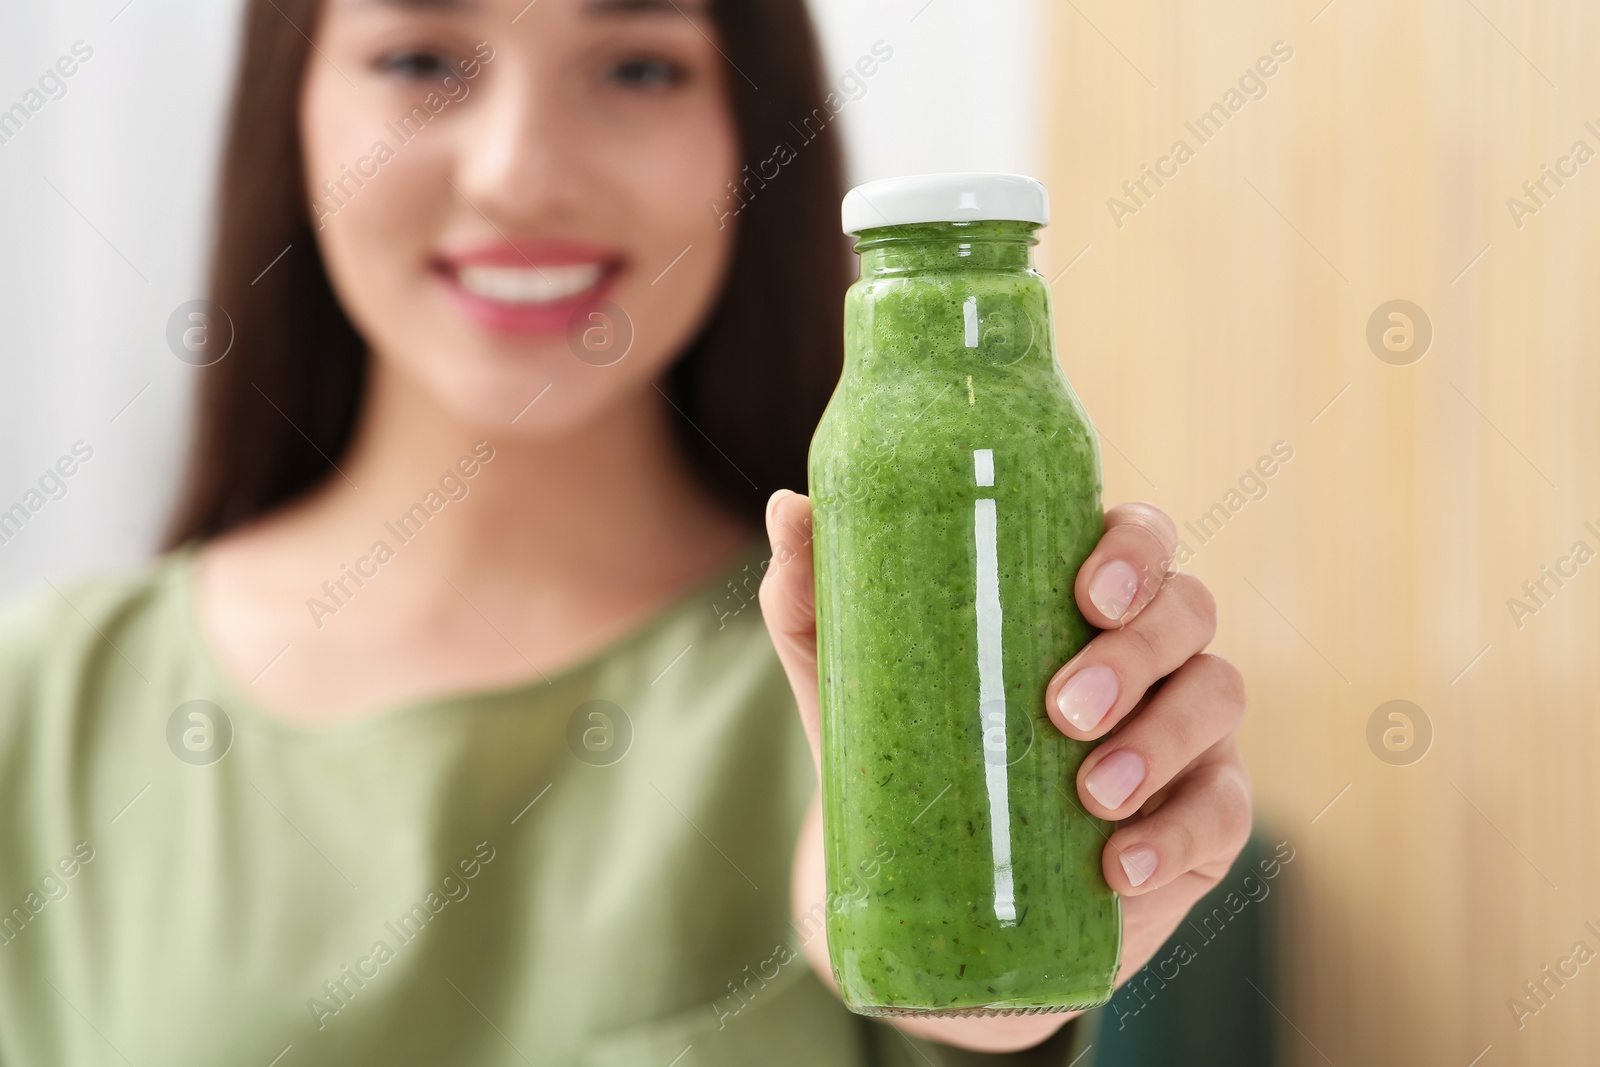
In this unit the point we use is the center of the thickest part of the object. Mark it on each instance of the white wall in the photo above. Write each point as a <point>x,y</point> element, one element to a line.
<point>105,194</point>
<point>131,146</point>
<point>959,92</point>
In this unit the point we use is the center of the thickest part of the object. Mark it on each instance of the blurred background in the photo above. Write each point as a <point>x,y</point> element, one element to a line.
<point>1349,243</point>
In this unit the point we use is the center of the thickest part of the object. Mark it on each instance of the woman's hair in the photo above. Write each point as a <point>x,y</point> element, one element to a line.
<point>276,413</point>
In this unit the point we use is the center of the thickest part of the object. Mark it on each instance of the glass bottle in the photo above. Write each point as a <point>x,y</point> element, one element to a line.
<point>955,486</point>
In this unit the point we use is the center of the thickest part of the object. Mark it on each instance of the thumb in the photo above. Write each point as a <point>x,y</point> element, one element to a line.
<point>788,604</point>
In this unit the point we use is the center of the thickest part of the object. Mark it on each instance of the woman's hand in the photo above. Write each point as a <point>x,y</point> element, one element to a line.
<point>1168,772</point>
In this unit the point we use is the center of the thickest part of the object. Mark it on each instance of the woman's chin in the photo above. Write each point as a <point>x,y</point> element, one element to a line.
<point>527,385</point>
<point>548,398</point>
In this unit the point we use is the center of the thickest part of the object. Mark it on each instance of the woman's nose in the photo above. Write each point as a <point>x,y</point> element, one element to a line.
<point>519,161</point>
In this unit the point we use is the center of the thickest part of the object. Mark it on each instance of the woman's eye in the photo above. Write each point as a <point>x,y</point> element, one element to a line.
<point>414,66</point>
<point>645,73</point>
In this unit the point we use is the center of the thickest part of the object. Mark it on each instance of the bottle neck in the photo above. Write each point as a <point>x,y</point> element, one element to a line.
<point>888,251</point>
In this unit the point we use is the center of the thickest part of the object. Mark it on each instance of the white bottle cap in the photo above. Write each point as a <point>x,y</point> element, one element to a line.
<point>961,197</point>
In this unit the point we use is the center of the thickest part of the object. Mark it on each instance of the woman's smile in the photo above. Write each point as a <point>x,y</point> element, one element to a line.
<point>528,287</point>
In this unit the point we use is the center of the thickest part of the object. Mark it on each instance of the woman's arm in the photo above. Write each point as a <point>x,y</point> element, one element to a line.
<point>1172,775</point>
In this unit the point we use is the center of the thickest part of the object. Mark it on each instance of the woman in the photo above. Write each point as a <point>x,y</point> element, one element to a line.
<point>448,732</point>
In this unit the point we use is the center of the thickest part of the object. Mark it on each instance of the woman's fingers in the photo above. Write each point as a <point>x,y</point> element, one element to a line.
<point>1202,822</point>
<point>788,592</point>
<point>1177,754</point>
<point>1127,568</point>
<point>788,604</point>
<point>1099,686</point>
<point>1200,705</point>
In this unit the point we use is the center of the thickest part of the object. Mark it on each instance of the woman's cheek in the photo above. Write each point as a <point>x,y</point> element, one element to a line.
<point>375,228</point>
<point>702,180</point>
<point>683,246</point>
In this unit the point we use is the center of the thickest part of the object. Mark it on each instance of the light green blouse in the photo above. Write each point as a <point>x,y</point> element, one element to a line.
<point>590,869</point>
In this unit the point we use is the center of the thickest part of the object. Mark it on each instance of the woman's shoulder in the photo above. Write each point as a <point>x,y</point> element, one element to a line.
<point>714,630</point>
<point>39,616</point>
<point>712,706</point>
<point>55,628</point>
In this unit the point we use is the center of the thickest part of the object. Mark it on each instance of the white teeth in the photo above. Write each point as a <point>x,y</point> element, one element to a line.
<point>529,285</point>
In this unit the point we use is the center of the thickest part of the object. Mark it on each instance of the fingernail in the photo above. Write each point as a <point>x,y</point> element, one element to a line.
<point>1139,862</point>
<point>1114,778</point>
<point>1087,696</point>
<point>772,502</point>
<point>1113,588</point>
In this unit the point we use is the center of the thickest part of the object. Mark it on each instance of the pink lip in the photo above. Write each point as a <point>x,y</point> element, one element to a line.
<point>527,319</point>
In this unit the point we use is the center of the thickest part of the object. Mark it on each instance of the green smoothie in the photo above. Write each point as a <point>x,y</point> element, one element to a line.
<point>955,482</point>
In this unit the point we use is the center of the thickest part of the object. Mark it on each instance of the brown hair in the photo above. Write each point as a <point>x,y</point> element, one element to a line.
<point>280,408</point>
